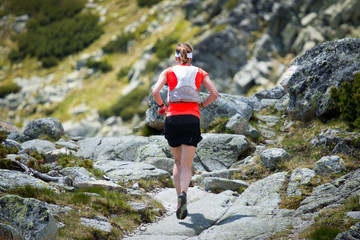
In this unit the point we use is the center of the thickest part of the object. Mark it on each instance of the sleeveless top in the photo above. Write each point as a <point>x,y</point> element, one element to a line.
<point>184,84</point>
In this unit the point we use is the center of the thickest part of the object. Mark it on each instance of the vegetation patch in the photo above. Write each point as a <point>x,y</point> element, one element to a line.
<point>128,106</point>
<point>56,29</point>
<point>102,66</point>
<point>8,87</point>
<point>330,222</point>
<point>218,126</point>
<point>124,71</point>
<point>347,101</point>
<point>120,44</point>
<point>147,3</point>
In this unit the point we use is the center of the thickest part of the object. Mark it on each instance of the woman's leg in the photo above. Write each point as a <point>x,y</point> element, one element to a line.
<point>187,158</point>
<point>176,151</point>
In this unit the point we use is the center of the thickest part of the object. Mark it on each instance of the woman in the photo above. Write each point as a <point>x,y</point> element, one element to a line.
<point>182,123</point>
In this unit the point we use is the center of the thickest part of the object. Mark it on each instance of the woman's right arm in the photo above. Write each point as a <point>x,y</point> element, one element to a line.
<point>214,94</point>
<point>158,86</point>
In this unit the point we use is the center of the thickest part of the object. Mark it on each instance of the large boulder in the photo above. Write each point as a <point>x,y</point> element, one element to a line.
<point>44,127</point>
<point>219,151</point>
<point>30,217</point>
<point>311,76</point>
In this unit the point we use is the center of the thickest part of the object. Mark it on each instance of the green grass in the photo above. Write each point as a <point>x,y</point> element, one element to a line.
<point>109,204</point>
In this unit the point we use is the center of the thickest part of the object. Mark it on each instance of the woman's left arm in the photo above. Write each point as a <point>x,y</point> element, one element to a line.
<point>158,86</point>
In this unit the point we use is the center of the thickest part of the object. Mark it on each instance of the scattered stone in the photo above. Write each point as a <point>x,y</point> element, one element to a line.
<point>300,176</point>
<point>44,127</point>
<point>341,148</point>
<point>215,184</point>
<point>331,193</point>
<point>273,156</point>
<point>54,155</point>
<point>138,207</point>
<point>239,125</point>
<point>355,214</point>
<point>329,164</point>
<point>97,224</point>
<point>78,175</point>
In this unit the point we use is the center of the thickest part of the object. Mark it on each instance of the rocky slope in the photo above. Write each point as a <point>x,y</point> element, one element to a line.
<point>246,46</point>
<point>271,177</point>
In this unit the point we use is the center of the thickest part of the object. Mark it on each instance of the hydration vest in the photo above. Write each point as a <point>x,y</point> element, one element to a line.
<point>185,89</point>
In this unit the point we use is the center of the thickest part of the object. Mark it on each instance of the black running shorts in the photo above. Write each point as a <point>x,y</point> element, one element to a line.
<point>182,129</point>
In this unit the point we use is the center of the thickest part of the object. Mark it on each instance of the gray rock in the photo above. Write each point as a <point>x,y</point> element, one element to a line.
<point>87,147</point>
<point>334,192</point>
<point>255,214</point>
<point>341,148</point>
<point>228,173</point>
<point>352,234</point>
<point>9,233</point>
<point>78,175</point>
<point>42,146</point>
<point>239,125</point>
<point>219,151</point>
<point>122,170</point>
<point>354,214</point>
<point>311,76</point>
<point>211,52</point>
<point>198,219</point>
<point>119,148</point>
<point>215,184</point>
<point>36,221</point>
<point>329,164</point>
<point>151,150</point>
<point>97,224</point>
<point>12,144</point>
<point>274,93</point>
<point>49,127</point>
<point>272,156</point>
<point>163,163</point>
<point>54,155</point>
<point>69,145</point>
<point>12,179</point>
<point>269,120</point>
<point>138,207</point>
<point>103,184</point>
<point>300,176</point>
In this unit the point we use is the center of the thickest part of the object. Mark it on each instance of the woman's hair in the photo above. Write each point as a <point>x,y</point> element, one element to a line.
<point>184,49</point>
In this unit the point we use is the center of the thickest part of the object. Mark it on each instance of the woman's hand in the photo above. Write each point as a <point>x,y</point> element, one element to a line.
<point>162,109</point>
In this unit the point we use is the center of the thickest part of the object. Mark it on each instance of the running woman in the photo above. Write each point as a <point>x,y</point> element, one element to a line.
<point>182,123</point>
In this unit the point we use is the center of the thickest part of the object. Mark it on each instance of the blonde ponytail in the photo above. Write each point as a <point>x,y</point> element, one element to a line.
<point>183,49</point>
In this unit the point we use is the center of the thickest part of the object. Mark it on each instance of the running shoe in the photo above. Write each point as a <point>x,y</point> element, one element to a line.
<point>181,211</point>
